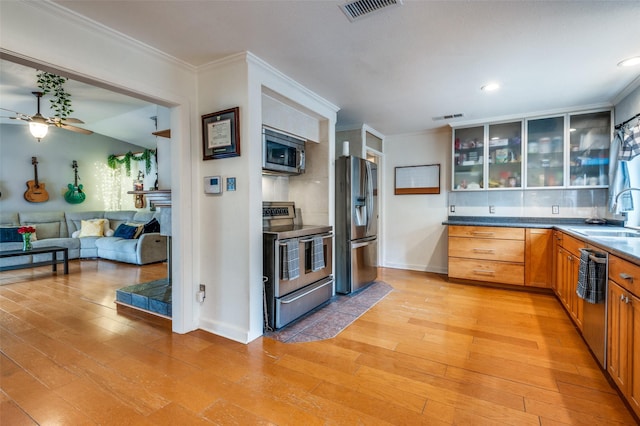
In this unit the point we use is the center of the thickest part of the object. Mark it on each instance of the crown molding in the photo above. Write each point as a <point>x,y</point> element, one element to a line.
<point>253,59</point>
<point>69,15</point>
<point>627,90</point>
<point>534,114</point>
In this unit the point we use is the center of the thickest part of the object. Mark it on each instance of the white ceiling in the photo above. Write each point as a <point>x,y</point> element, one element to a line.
<point>105,112</point>
<point>396,69</point>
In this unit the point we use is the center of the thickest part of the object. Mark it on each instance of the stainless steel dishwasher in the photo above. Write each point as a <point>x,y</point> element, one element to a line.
<point>594,322</point>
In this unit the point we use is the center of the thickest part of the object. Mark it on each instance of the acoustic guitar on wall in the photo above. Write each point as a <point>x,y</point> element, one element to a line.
<point>36,192</point>
<point>75,194</point>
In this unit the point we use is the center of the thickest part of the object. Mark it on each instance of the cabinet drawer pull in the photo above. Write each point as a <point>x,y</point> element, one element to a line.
<point>482,233</point>
<point>476,271</point>
<point>626,277</point>
<point>481,250</point>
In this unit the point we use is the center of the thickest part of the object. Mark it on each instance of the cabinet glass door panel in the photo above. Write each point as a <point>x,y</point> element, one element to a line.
<point>505,155</point>
<point>589,140</point>
<point>468,158</point>
<point>545,152</point>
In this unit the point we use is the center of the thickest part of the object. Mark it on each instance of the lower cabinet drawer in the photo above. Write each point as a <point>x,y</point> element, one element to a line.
<point>486,270</point>
<point>298,303</point>
<point>482,248</point>
<point>625,273</point>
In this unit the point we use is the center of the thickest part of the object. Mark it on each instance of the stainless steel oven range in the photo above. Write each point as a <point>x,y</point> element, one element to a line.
<point>297,265</point>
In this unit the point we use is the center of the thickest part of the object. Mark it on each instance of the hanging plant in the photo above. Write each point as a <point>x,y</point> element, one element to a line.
<point>113,161</point>
<point>54,84</point>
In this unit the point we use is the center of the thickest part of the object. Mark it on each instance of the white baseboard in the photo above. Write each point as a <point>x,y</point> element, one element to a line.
<point>410,267</point>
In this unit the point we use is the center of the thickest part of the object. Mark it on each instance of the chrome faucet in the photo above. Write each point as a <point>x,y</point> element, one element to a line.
<point>615,201</point>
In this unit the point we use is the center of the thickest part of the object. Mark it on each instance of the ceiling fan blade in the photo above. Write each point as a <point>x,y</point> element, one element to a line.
<point>10,110</point>
<point>56,121</point>
<point>75,129</point>
<point>72,120</point>
<point>25,118</point>
<point>19,115</point>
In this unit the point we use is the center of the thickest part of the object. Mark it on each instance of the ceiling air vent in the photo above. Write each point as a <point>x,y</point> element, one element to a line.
<point>360,8</point>
<point>448,117</point>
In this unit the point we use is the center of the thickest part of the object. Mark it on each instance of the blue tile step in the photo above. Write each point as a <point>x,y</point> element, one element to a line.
<point>153,297</point>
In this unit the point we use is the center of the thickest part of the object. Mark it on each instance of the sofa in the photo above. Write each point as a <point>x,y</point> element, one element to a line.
<point>65,229</point>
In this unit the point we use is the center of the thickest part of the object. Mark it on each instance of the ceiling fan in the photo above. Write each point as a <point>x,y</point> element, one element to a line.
<point>39,124</point>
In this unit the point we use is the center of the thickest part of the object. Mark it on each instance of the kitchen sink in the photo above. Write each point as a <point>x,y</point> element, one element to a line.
<point>608,233</point>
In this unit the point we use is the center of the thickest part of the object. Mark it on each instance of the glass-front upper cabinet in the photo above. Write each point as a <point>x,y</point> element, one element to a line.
<point>589,140</point>
<point>545,152</point>
<point>468,158</point>
<point>505,155</point>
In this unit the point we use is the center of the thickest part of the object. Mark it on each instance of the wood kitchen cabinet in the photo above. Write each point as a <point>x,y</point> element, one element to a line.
<point>485,253</point>
<point>567,263</point>
<point>623,329</point>
<point>538,257</point>
<point>563,150</point>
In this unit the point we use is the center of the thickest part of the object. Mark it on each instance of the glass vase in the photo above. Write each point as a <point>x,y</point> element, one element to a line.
<point>26,242</point>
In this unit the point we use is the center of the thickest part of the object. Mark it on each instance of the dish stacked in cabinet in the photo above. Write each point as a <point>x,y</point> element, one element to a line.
<point>623,328</point>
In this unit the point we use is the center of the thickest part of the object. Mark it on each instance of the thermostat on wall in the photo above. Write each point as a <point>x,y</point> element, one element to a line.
<point>212,185</point>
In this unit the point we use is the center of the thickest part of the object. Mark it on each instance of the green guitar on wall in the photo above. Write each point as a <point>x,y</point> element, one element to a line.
<point>75,194</point>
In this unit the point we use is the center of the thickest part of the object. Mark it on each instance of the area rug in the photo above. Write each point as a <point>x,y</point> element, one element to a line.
<point>330,319</point>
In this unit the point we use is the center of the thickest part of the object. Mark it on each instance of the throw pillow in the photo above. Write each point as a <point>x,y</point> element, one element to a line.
<point>10,235</point>
<point>106,228</point>
<point>91,228</point>
<point>125,231</point>
<point>152,226</point>
<point>138,226</point>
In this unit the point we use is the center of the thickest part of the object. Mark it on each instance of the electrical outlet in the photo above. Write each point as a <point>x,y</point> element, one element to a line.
<point>452,208</point>
<point>492,209</point>
<point>555,209</point>
<point>200,295</point>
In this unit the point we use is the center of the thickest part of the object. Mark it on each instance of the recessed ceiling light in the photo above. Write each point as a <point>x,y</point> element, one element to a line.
<point>572,129</point>
<point>490,87</point>
<point>629,62</point>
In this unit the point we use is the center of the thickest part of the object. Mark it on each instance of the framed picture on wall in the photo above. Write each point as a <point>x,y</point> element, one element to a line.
<point>423,179</point>
<point>221,134</point>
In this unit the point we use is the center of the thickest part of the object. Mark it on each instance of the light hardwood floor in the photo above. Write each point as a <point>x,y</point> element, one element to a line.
<point>431,352</point>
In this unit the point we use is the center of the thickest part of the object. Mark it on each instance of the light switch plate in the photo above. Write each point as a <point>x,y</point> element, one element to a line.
<point>492,209</point>
<point>231,184</point>
<point>555,209</point>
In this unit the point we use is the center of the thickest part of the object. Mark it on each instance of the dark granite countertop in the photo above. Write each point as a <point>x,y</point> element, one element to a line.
<point>625,248</point>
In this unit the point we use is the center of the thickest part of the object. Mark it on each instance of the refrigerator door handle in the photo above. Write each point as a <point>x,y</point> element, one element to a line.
<point>369,179</point>
<point>363,243</point>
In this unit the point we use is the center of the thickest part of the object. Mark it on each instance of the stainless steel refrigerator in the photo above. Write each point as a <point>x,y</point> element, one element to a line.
<point>356,224</point>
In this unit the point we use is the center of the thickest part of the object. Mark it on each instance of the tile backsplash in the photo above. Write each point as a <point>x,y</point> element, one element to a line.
<point>580,203</point>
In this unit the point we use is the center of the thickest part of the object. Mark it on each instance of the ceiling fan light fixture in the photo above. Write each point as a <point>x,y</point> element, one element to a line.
<point>38,130</point>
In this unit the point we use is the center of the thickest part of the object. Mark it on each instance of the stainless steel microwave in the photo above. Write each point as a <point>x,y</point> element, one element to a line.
<point>282,153</point>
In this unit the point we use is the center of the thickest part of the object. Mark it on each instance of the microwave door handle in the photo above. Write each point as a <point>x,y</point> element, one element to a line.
<point>301,165</point>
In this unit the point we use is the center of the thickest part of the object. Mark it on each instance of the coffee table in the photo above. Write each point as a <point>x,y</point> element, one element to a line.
<point>53,262</point>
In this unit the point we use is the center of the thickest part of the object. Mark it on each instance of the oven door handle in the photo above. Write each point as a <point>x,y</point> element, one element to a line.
<point>286,301</point>
<point>308,240</point>
<point>284,242</point>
